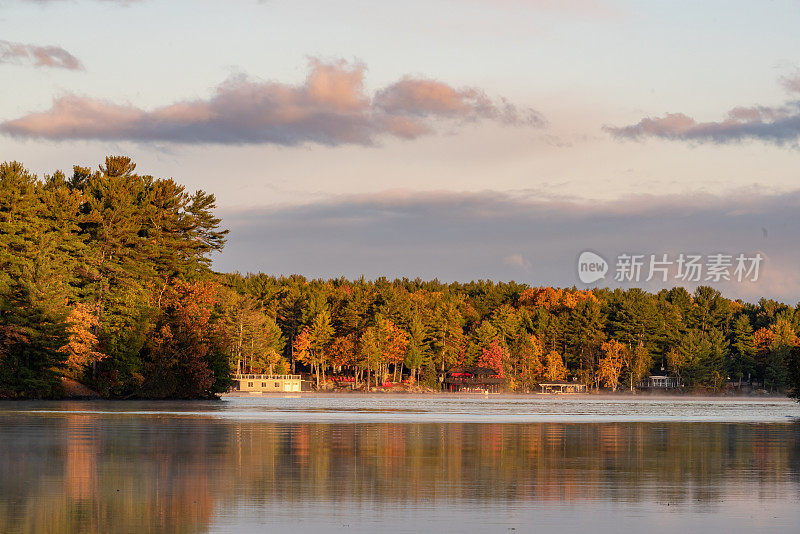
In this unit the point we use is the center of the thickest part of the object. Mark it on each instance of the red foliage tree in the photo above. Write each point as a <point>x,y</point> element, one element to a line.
<point>493,357</point>
<point>182,341</point>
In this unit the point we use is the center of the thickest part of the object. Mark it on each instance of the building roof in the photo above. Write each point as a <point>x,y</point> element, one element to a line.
<point>473,370</point>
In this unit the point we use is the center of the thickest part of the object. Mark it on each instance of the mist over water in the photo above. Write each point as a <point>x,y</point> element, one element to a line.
<point>401,464</point>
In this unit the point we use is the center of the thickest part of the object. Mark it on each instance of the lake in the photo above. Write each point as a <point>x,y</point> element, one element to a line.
<point>381,463</point>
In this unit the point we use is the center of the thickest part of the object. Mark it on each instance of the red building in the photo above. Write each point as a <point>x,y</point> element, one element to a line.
<point>474,379</point>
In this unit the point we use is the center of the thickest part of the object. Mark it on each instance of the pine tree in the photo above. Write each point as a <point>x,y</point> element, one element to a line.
<point>418,353</point>
<point>30,344</point>
<point>742,362</point>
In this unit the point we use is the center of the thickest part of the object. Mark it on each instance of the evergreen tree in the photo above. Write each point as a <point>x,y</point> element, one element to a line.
<point>418,353</point>
<point>30,340</point>
<point>742,362</point>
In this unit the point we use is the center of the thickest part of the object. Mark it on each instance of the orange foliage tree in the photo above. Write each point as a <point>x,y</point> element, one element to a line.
<point>381,345</point>
<point>313,344</point>
<point>183,347</point>
<point>610,366</point>
<point>552,299</point>
<point>343,352</point>
<point>762,338</point>
<point>82,345</point>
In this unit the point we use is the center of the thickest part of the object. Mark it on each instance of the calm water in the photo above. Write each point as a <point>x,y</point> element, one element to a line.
<point>401,464</point>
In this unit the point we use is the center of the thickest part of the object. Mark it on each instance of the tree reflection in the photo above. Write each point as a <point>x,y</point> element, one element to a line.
<point>83,472</point>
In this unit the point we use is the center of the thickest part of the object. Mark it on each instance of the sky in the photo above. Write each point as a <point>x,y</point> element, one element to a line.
<point>449,139</point>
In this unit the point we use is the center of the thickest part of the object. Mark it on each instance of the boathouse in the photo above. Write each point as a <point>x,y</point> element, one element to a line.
<point>472,379</point>
<point>660,382</point>
<point>562,386</point>
<point>251,383</point>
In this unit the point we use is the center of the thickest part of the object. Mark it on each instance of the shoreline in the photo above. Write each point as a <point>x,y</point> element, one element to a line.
<point>75,391</point>
<point>510,395</point>
<point>443,395</point>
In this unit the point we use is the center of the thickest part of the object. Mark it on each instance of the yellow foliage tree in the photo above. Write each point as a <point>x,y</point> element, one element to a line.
<point>530,354</point>
<point>554,367</point>
<point>610,366</point>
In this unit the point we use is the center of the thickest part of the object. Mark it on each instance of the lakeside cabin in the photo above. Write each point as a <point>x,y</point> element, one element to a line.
<point>252,383</point>
<point>472,379</point>
<point>562,386</point>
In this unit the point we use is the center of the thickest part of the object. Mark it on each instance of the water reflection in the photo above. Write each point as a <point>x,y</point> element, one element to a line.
<point>81,472</point>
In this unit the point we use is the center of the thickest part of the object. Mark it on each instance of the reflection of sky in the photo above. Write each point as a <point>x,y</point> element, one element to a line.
<point>732,515</point>
<point>444,409</point>
<point>583,65</point>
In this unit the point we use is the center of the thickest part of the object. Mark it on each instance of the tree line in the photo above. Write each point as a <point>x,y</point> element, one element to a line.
<point>106,278</point>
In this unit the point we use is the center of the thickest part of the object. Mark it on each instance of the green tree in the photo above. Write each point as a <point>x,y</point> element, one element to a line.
<point>742,362</point>
<point>30,340</point>
<point>418,353</point>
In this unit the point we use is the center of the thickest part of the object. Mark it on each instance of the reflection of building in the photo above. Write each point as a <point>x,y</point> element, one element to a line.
<point>562,386</point>
<point>472,379</point>
<point>660,382</point>
<point>265,383</point>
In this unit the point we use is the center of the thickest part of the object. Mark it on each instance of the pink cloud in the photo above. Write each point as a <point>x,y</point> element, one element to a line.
<point>779,125</point>
<point>38,56</point>
<point>330,108</point>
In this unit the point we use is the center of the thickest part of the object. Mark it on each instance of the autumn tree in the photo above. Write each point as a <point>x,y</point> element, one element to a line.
<point>418,352</point>
<point>554,368</point>
<point>782,339</point>
<point>82,348</point>
<point>114,264</point>
<point>493,357</point>
<point>639,363</point>
<point>611,364</point>
<point>183,357</point>
<point>482,338</point>
<point>446,333</point>
<point>255,340</point>
<point>381,345</point>
<point>344,352</point>
<point>312,346</point>
<point>584,333</point>
<point>529,359</point>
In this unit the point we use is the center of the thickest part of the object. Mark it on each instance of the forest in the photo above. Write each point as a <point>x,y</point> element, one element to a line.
<point>106,279</point>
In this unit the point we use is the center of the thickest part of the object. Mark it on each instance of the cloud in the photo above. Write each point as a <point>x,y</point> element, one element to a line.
<point>791,83</point>
<point>421,98</point>
<point>569,7</point>
<point>518,261</point>
<point>38,56</point>
<point>329,108</point>
<point>466,236</point>
<point>778,125</point>
<point>120,2</point>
